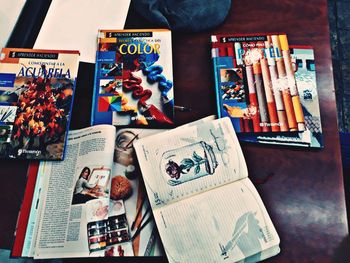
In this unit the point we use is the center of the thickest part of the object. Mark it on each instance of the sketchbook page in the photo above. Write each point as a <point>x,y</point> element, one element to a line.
<point>73,24</point>
<point>9,13</point>
<point>225,224</point>
<point>77,195</point>
<point>183,162</point>
<point>267,253</point>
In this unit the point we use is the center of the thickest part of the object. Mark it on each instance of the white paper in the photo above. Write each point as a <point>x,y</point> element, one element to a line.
<point>9,13</point>
<point>225,224</point>
<point>73,24</point>
<point>205,207</point>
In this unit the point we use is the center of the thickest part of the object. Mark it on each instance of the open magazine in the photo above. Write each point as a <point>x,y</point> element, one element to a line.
<point>205,207</point>
<point>92,204</point>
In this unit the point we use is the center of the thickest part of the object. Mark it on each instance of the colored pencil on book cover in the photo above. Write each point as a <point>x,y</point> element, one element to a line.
<point>282,76</point>
<point>271,106</point>
<point>254,106</point>
<point>299,115</point>
<point>281,113</point>
<point>264,117</point>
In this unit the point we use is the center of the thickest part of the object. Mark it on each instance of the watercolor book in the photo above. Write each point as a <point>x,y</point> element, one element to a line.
<point>134,79</point>
<point>205,206</point>
<point>268,89</point>
<point>36,98</point>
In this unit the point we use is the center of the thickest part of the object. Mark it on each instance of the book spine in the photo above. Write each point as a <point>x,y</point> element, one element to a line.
<point>94,107</point>
<point>23,215</point>
<point>214,55</point>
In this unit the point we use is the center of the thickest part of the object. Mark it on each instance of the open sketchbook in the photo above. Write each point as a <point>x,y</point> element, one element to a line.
<point>86,205</point>
<point>205,207</point>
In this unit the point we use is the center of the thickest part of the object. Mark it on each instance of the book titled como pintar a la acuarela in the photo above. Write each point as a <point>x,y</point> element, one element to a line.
<point>134,78</point>
<point>36,96</point>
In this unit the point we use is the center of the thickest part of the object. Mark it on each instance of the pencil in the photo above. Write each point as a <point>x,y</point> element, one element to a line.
<point>271,106</point>
<point>299,115</point>
<point>261,97</point>
<point>254,107</point>
<point>138,231</point>
<point>282,76</point>
<point>281,113</point>
<point>137,213</point>
<point>148,210</point>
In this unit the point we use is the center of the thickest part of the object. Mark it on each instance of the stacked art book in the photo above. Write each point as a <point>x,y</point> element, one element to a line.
<point>205,207</point>
<point>267,88</point>
<point>133,78</point>
<point>36,97</point>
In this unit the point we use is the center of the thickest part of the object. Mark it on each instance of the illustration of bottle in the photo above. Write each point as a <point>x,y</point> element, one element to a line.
<point>188,162</point>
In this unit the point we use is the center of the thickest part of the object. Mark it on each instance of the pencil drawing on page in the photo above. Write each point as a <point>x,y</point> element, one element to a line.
<point>188,163</point>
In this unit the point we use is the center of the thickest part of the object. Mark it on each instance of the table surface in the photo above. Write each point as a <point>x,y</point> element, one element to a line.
<point>305,193</point>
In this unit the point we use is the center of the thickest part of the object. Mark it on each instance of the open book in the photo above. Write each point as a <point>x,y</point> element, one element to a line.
<point>205,207</point>
<point>92,204</point>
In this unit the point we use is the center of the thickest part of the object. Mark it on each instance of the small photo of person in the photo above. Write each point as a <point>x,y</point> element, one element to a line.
<point>111,69</point>
<point>110,86</point>
<point>82,187</point>
<point>231,75</point>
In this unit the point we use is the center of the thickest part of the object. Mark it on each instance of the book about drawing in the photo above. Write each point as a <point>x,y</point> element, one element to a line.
<point>133,79</point>
<point>268,89</point>
<point>36,97</point>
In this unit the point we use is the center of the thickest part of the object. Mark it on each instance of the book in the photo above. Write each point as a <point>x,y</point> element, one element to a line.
<point>267,88</point>
<point>91,204</point>
<point>36,97</point>
<point>205,206</point>
<point>134,79</point>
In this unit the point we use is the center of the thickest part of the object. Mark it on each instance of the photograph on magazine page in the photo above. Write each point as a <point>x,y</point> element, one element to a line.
<point>91,184</point>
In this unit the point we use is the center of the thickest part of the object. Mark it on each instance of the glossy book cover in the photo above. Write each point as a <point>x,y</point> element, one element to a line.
<point>268,89</point>
<point>134,78</point>
<point>36,97</point>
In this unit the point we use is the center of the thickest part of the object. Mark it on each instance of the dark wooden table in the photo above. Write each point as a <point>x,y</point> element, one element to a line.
<point>305,192</point>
